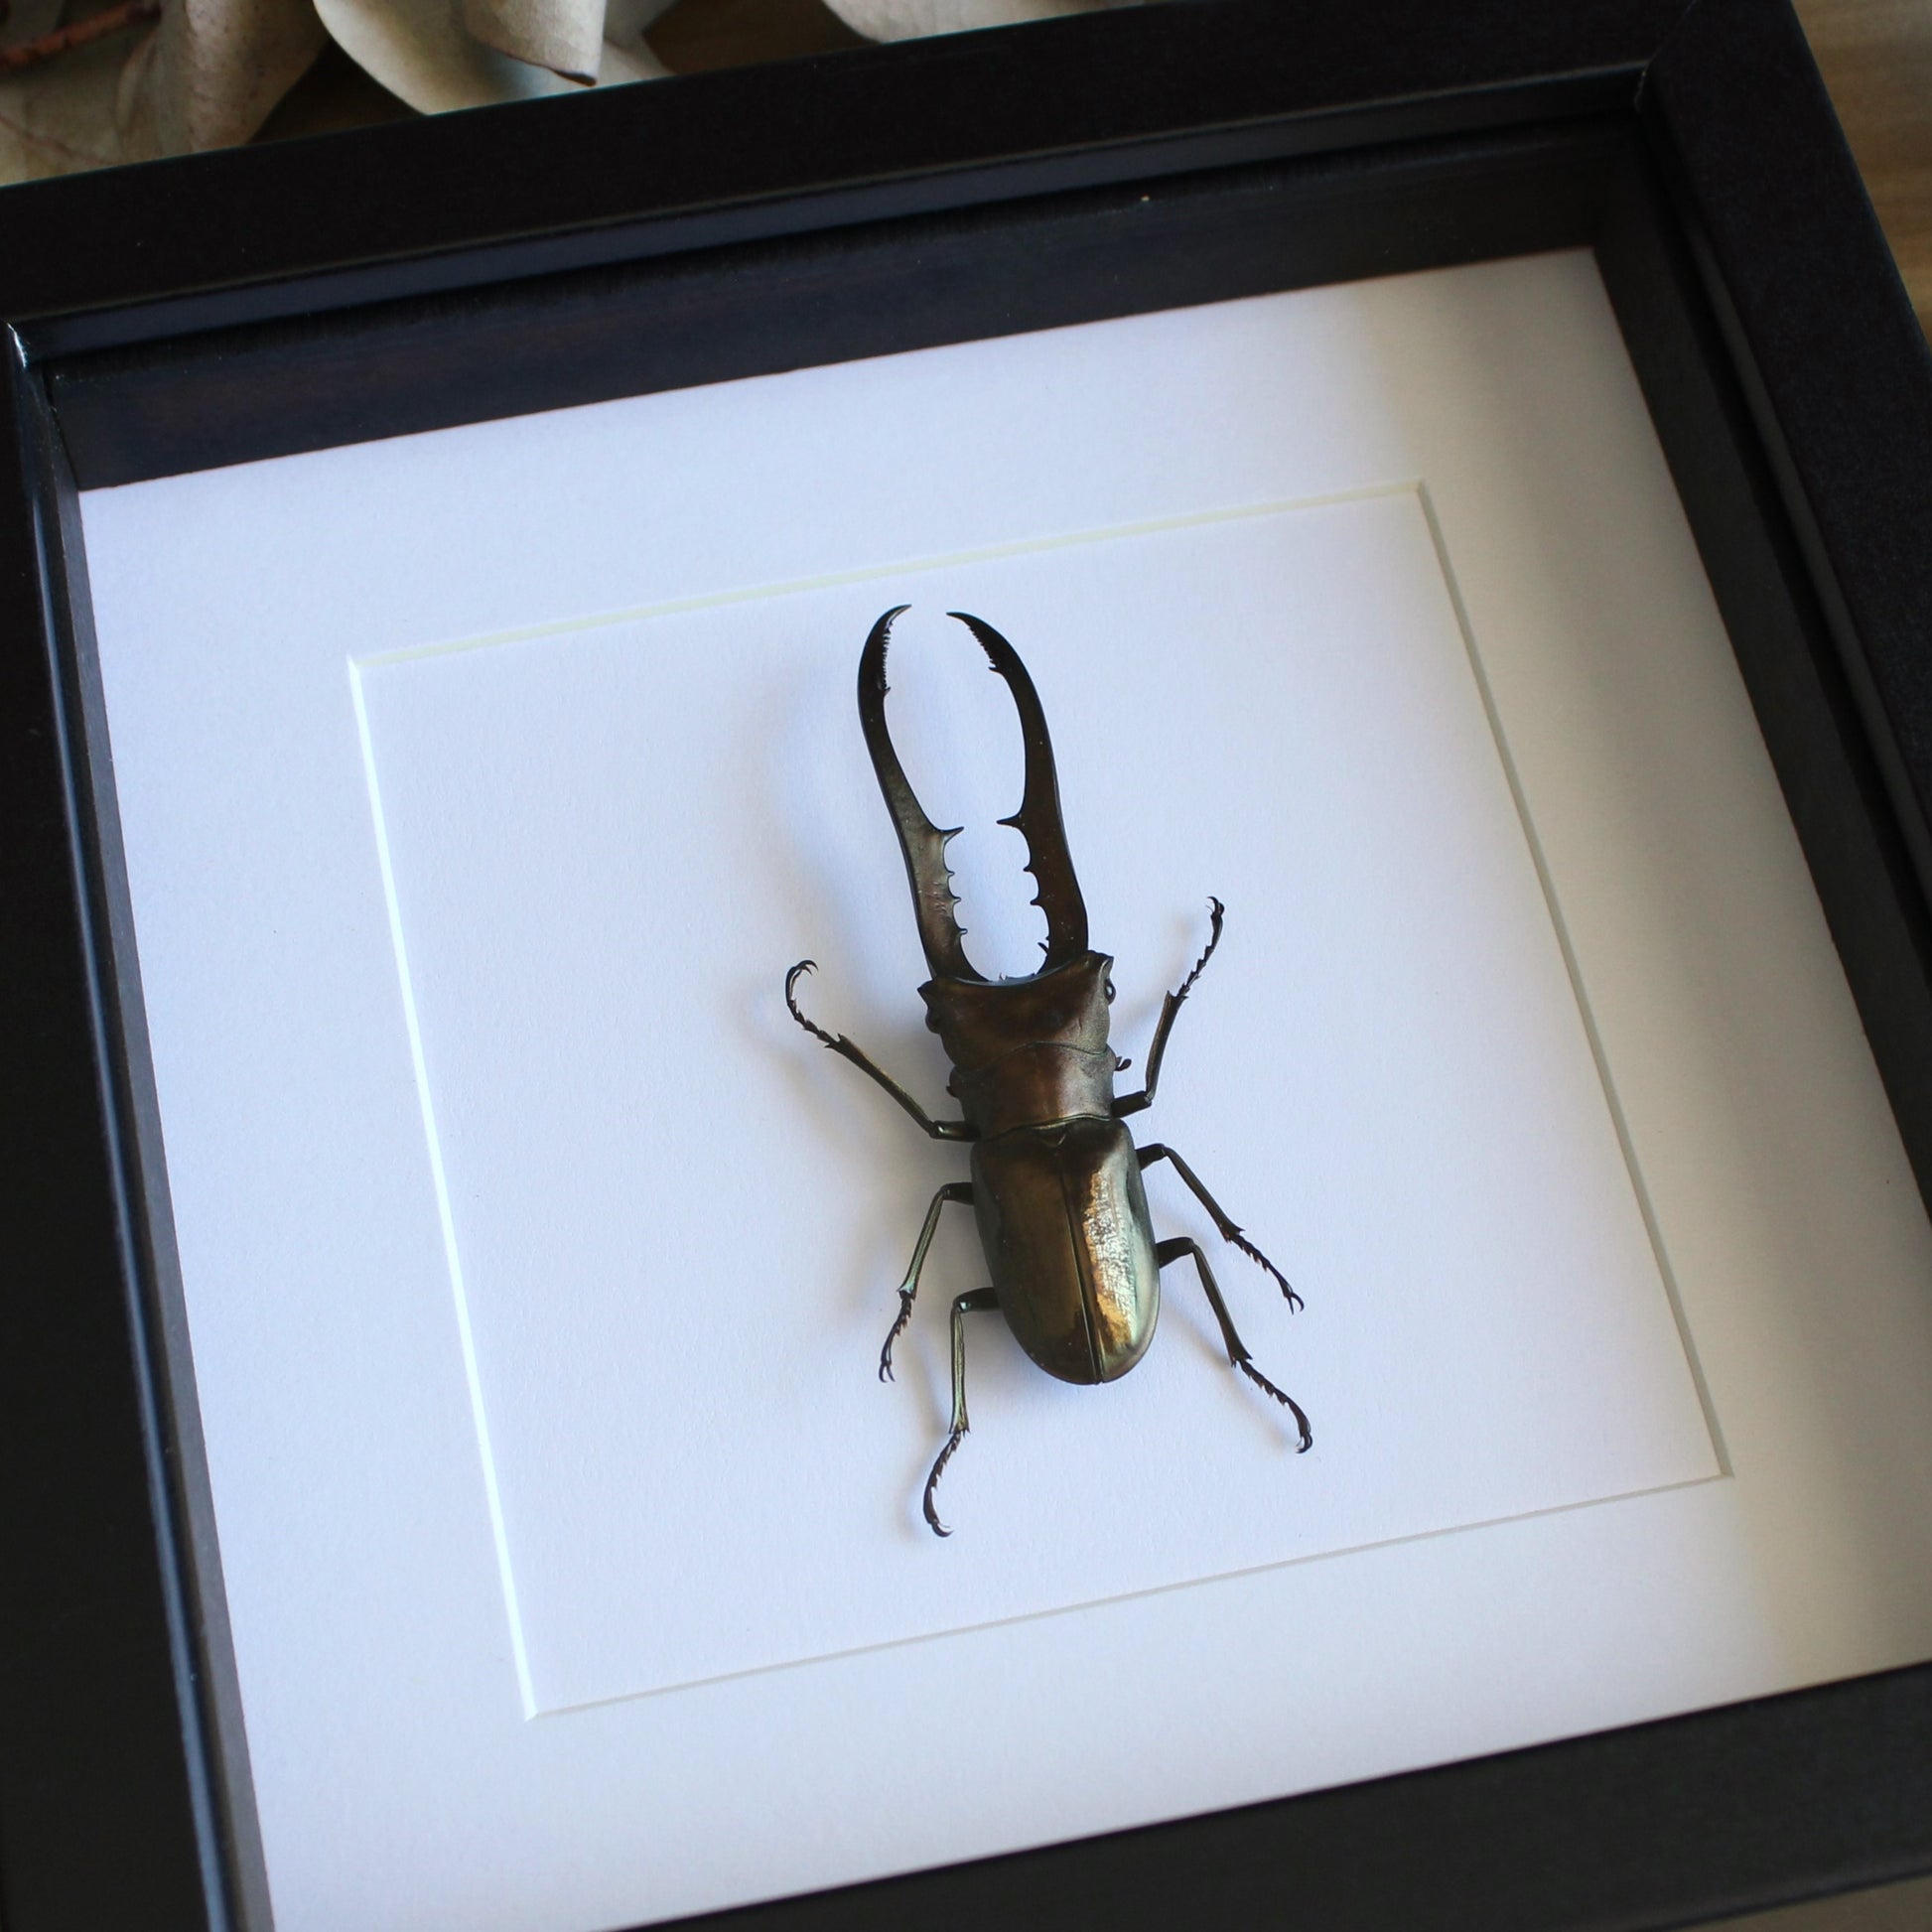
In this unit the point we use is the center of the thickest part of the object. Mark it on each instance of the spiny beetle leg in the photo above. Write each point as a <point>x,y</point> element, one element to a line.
<point>1224,1225</point>
<point>1134,1102</point>
<point>895,1331</point>
<point>940,1130</point>
<point>1286,1400</point>
<point>963,1306</point>
<point>1238,1357</point>
<point>958,1190</point>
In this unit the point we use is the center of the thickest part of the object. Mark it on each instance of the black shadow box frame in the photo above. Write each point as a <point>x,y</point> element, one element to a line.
<point>259,302</point>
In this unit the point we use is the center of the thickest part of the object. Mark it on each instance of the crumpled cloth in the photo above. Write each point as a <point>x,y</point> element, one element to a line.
<point>208,72</point>
<point>205,74</point>
<point>899,20</point>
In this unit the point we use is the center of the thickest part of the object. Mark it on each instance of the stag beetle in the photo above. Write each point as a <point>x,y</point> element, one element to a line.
<point>1055,1177</point>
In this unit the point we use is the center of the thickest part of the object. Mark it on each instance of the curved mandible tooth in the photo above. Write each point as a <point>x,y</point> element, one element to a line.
<point>1038,817</point>
<point>922,840</point>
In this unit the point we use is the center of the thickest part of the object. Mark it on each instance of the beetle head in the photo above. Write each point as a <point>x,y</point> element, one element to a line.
<point>924,844</point>
<point>981,1020</point>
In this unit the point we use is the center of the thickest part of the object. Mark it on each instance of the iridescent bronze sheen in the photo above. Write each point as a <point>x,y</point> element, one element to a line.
<point>1055,1177</point>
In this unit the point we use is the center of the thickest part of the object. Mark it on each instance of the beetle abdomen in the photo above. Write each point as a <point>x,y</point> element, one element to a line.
<point>1064,1218</point>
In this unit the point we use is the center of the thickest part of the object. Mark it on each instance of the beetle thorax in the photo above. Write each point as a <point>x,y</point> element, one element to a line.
<point>1027,1051</point>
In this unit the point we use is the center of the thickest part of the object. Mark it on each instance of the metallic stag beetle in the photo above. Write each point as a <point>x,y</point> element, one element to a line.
<point>1056,1179</point>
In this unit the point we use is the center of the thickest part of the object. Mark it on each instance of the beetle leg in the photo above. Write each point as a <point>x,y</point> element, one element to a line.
<point>940,1130</point>
<point>1238,1357</point>
<point>1222,1224</point>
<point>958,1190</point>
<point>1133,1103</point>
<point>963,1306</point>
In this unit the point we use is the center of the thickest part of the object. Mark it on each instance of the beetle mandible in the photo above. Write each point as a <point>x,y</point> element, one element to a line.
<point>1055,1177</point>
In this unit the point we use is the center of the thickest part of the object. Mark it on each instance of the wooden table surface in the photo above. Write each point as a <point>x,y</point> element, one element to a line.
<point>1877,58</point>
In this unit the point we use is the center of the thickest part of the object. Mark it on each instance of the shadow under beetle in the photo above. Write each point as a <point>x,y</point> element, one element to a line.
<point>1056,1179</point>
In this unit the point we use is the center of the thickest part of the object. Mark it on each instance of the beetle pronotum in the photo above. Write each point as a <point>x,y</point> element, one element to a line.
<point>1055,1177</point>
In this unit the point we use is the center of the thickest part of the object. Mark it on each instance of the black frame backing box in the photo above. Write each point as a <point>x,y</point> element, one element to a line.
<point>236,306</point>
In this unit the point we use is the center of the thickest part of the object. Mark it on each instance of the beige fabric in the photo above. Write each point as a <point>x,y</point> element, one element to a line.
<point>205,74</point>
<point>422,52</point>
<point>565,36</point>
<point>209,70</point>
<point>896,20</point>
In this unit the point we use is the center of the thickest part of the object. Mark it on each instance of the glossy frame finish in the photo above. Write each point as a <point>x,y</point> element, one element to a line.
<point>262,301</point>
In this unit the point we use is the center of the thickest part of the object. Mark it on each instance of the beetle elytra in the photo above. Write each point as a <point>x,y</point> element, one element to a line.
<point>1055,1181</point>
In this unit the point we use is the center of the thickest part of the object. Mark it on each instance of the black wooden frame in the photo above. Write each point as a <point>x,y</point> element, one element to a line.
<point>239,305</point>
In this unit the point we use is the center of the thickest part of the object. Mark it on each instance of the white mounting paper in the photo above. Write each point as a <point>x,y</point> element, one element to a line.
<point>677,1226</point>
